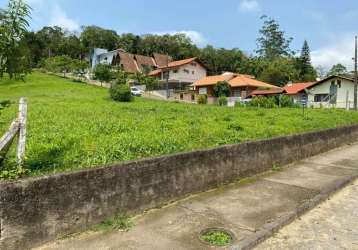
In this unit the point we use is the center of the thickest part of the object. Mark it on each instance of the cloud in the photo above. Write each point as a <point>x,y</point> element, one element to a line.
<point>340,50</point>
<point>249,6</point>
<point>197,37</point>
<point>60,18</point>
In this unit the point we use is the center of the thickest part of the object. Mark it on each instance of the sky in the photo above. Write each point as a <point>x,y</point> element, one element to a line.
<point>329,26</point>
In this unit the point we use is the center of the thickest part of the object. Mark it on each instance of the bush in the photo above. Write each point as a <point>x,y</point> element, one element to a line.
<point>202,99</point>
<point>286,101</point>
<point>222,89</point>
<point>263,102</point>
<point>222,101</point>
<point>102,73</point>
<point>121,93</point>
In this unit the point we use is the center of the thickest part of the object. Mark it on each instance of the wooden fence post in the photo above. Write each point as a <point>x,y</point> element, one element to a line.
<point>22,131</point>
<point>7,138</point>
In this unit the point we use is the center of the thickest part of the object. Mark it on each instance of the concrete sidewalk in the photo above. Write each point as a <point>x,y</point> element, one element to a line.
<point>251,210</point>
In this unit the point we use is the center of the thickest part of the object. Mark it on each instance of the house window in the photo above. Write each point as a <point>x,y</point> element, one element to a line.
<point>321,98</point>
<point>175,71</point>
<point>339,83</point>
<point>236,92</point>
<point>203,91</point>
<point>193,64</point>
<point>186,71</point>
<point>193,72</point>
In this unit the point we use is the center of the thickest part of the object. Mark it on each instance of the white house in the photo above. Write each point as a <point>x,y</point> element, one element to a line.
<point>181,73</point>
<point>334,91</point>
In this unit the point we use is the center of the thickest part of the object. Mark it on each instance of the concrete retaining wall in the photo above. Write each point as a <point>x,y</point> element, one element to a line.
<point>36,210</point>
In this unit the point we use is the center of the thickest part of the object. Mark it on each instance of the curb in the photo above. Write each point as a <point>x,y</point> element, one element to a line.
<point>269,229</point>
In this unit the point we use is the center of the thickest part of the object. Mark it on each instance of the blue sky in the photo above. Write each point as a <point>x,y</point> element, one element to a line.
<point>329,26</point>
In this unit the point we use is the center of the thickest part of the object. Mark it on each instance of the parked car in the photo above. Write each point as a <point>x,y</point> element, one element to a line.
<point>135,91</point>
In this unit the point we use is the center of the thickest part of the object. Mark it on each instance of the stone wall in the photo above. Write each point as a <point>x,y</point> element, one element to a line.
<point>36,210</point>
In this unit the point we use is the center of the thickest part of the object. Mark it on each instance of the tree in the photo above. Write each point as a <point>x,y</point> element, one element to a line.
<point>59,64</point>
<point>102,72</point>
<point>222,89</point>
<point>273,43</point>
<point>79,67</point>
<point>13,26</point>
<point>338,70</point>
<point>129,42</point>
<point>307,72</point>
<point>280,71</point>
<point>96,37</point>
<point>50,38</point>
<point>221,60</point>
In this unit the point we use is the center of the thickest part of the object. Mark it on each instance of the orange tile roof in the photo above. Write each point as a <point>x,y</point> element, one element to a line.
<point>297,87</point>
<point>245,81</point>
<point>155,72</point>
<point>212,80</point>
<point>179,63</point>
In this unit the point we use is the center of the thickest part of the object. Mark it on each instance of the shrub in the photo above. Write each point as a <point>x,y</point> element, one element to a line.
<point>221,89</point>
<point>102,73</point>
<point>263,102</point>
<point>222,101</point>
<point>286,101</point>
<point>202,99</point>
<point>121,92</point>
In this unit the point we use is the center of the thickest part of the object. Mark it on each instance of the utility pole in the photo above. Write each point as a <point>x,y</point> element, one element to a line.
<point>167,77</point>
<point>355,75</point>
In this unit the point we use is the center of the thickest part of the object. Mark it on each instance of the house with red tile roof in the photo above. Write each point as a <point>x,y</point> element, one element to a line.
<point>241,85</point>
<point>128,62</point>
<point>297,91</point>
<point>180,73</point>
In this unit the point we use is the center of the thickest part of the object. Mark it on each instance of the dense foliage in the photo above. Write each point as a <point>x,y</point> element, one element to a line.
<point>73,126</point>
<point>338,70</point>
<point>221,89</point>
<point>14,54</point>
<point>120,92</point>
<point>274,63</point>
<point>103,73</point>
<point>222,101</point>
<point>263,102</point>
<point>202,99</point>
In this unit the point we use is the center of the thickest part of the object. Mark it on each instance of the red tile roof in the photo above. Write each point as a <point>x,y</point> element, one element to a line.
<point>267,92</point>
<point>161,60</point>
<point>294,88</point>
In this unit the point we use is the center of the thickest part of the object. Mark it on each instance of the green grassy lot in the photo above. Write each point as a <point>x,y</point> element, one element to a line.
<point>73,125</point>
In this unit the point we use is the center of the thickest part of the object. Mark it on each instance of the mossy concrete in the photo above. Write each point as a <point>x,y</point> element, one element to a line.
<point>253,211</point>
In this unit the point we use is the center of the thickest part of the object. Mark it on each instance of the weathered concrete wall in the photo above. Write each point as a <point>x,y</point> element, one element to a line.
<point>36,210</point>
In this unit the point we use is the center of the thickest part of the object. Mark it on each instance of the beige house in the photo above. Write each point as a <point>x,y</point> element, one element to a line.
<point>181,73</point>
<point>334,91</point>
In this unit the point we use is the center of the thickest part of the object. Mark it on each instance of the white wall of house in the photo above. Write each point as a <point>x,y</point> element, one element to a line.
<point>188,73</point>
<point>345,94</point>
<point>107,58</point>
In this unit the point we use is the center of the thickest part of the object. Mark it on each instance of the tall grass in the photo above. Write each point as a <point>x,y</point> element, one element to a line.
<point>73,125</point>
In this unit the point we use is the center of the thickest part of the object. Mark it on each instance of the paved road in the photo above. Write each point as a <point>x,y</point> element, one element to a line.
<point>245,209</point>
<point>332,225</point>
